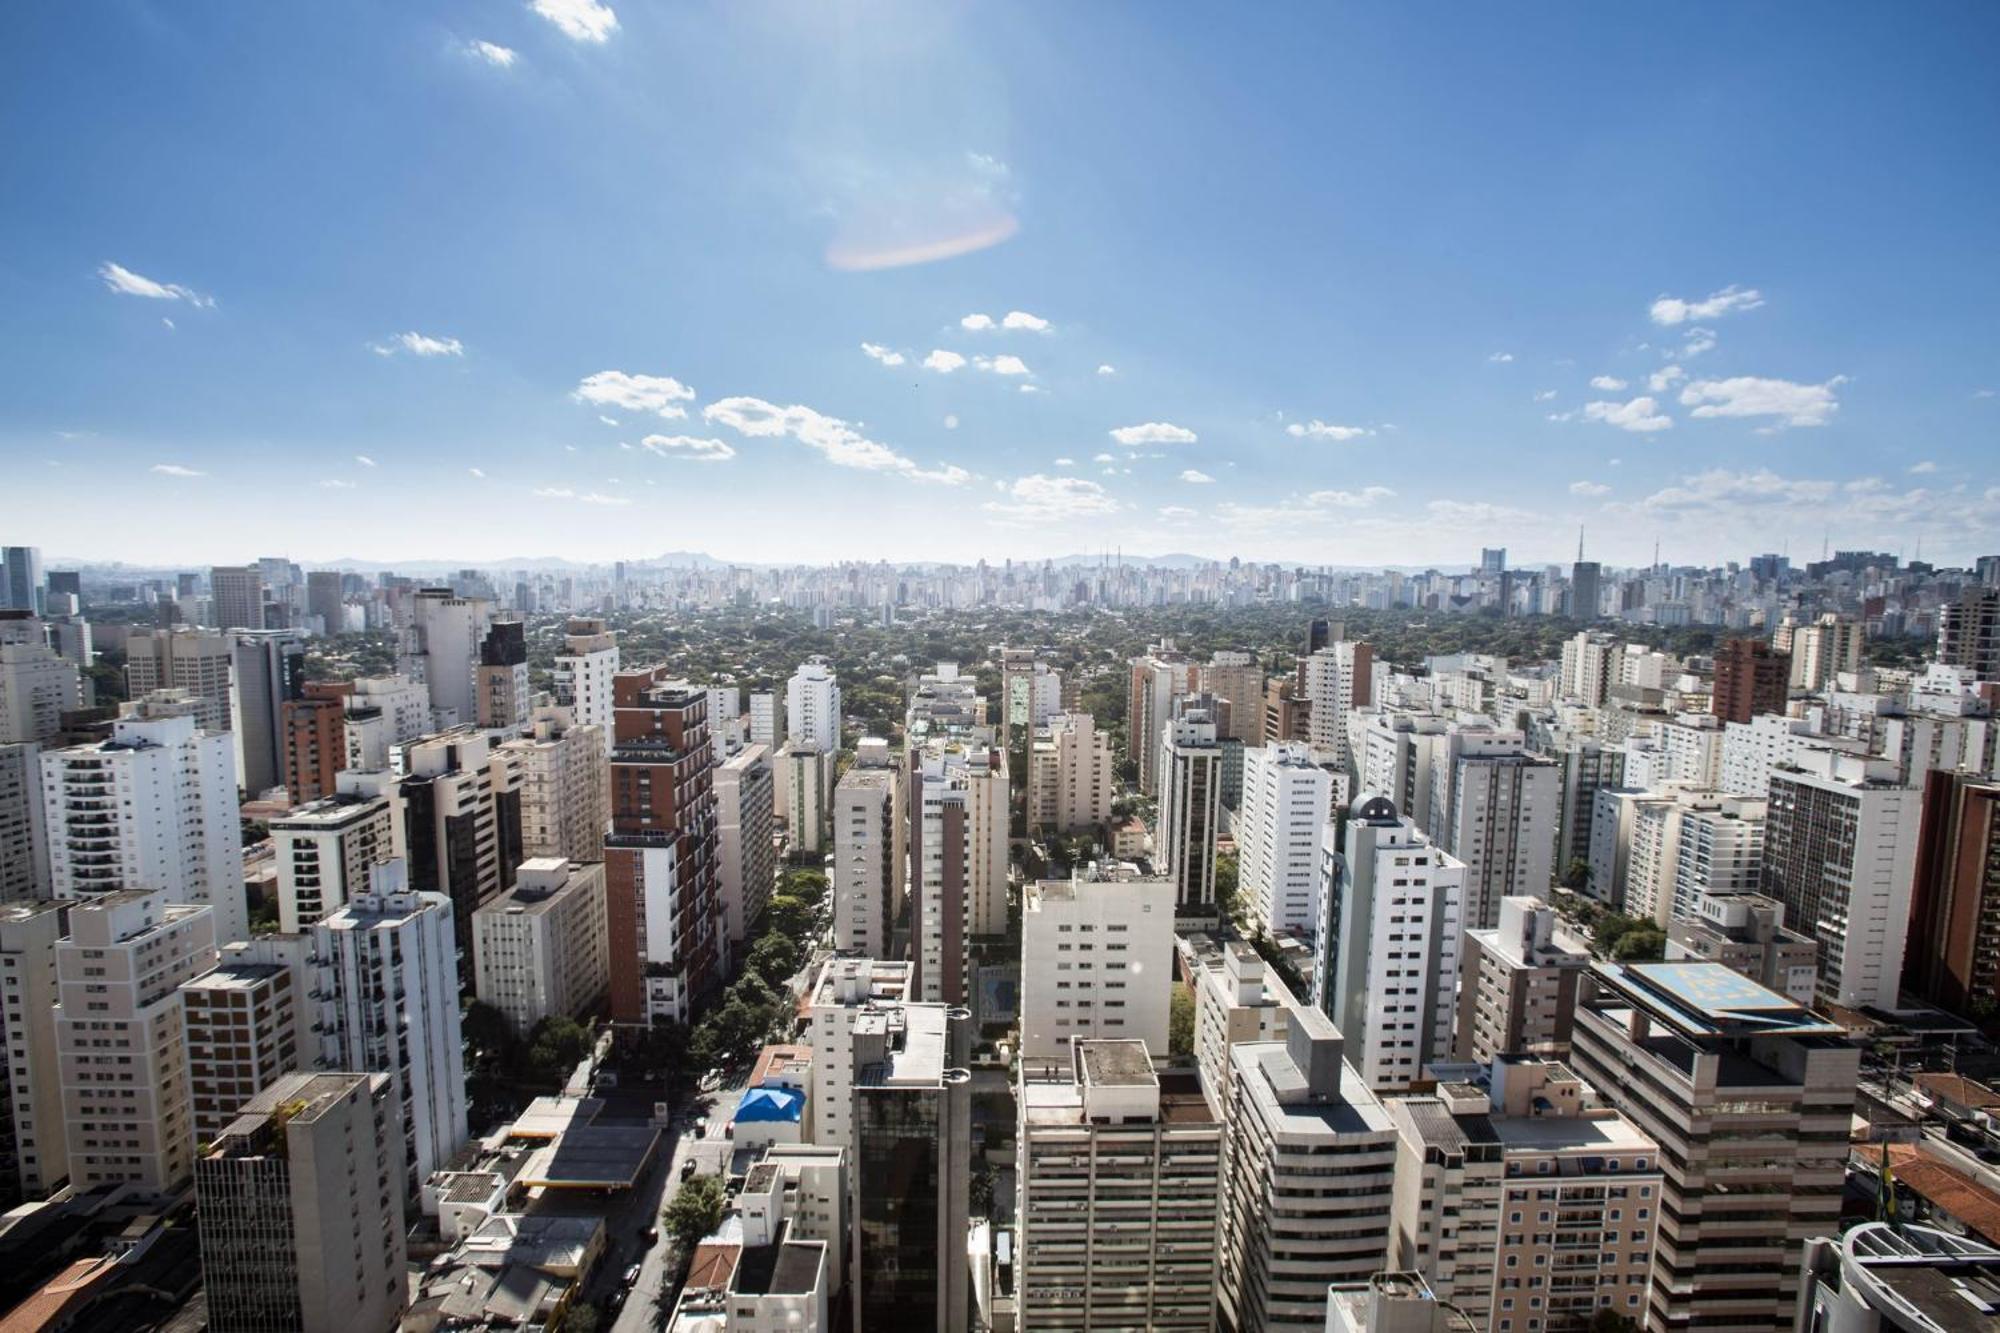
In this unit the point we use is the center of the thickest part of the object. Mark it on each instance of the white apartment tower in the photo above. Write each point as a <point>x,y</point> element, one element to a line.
<point>380,713</point>
<point>1071,782</point>
<point>846,990</point>
<point>36,684</point>
<point>154,807</point>
<point>386,971</point>
<point>1287,796</point>
<point>121,1038</point>
<point>565,774</point>
<point>1339,679</point>
<point>583,673</point>
<point>1092,962</point>
<point>1494,807</point>
<point>745,822</point>
<point>34,1149</point>
<point>440,647</point>
<point>812,706</point>
<point>1389,942</point>
<point>542,949</point>
<point>864,845</point>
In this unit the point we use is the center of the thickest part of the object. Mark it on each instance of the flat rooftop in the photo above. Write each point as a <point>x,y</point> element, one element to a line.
<point>235,976</point>
<point>1704,999</point>
<point>1115,1064</point>
<point>593,1157</point>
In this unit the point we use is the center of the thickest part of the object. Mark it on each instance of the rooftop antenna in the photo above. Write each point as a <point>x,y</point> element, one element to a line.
<point>1656,552</point>
<point>1579,543</point>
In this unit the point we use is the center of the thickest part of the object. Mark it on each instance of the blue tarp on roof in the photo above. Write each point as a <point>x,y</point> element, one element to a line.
<point>771,1104</point>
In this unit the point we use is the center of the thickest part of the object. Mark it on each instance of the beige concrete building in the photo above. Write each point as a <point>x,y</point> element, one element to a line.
<point>1116,1199</point>
<point>1070,777</point>
<point>1236,678</point>
<point>1517,985</point>
<point>1237,999</point>
<point>846,990</point>
<point>1092,951</point>
<point>121,1037</point>
<point>565,786</point>
<point>541,949</point>
<point>324,849</point>
<point>300,1210</point>
<point>745,823</point>
<point>245,1029</point>
<point>864,846</point>
<point>195,660</point>
<point>34,1146</point>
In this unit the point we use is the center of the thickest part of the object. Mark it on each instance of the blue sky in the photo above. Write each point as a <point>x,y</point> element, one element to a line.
<point>1314,283</point>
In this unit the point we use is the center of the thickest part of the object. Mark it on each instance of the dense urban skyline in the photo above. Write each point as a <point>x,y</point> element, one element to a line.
<point>925,282</point>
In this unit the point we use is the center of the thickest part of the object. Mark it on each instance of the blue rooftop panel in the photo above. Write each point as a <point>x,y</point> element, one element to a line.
<point>771,1104</point>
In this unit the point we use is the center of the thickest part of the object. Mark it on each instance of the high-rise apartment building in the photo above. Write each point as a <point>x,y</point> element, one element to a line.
<point>865,897</point>
<point>500,677</point>
<point>1588,668</point>
<point>1840,850</point>
<point>846,990</point>
<point>1704,1062</point>
<point>565,786</point>
<point>584,671</point>
<point>324,849</point>
<point>1190,813</point>
<point>1308,1179</point>
<point>1071,779</point>
<point>300,1209</point>
<point>1824,649</point>
<point>36,684</point>
<point>802,794</point>
<point>1288,793</point>
<point>237,592</point>
<point>745,823</point>
<point>21,586</point>
<point>1493,806</point>
<point>1585,765</point>
<point>1158,678</point>
<point>245,1027</point>
<point>441,635</point>
<point>1339,678</point>
<point>1517,992</point>
<point>34,1140</point>
<point>121,1037</point>
<point>385,972</point>
<point>1969,632</point>
<point>912,1136</point>
<point>153,807</point>
<point>767,724</point>
<point>812,706</point>
<point>1689,844</point>
<point>1389,939</point>
<point>664,911</point>
<point>325,601</point>
<point>312,742</point>
<point>1116,1203</point>
<point>1238,997</point>
<point>541,949</point>
<point>268,670</point>
<point>1237,678</point>
<point>1091,951</point>
<point>1953,955</point>
<point>383,712</point>
<point>461,808</point>
<point>24,836</point>
<point>1751,677</point>
<point>195,660</point>
<point>957,822</point>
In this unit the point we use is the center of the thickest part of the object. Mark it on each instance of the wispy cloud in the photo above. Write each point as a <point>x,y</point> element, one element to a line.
<point>1365,498</point>
<point>418,344</point>
<point>832,438</point>
<point>1670,310</point>
<point>364,460</point>
<point>1663,379</point>
<point>1153,432</point>
<point>877,352</point>
<point>1196,477</point>
<point>1607,383</point>
<point>1924,468</point>
<point>1501,358</point>
<point>1013,320</point>
<point>579,20</point>
<point>125,282</point>
<point>476,472</point>
<point>176,470</point>
<point>1792,404</point>
<point>581,497</point>
<point>661,395</point>
<point>1321,430</point>
<point>336,484</point>
<point>689,447</point>
<point>1545,395</point>
<point>1641,415</point>
<point>1107,370</point>
<point>1589,490</point>
<point>492,53</point>
<point>1043,499</point>
<point>1177,513</point>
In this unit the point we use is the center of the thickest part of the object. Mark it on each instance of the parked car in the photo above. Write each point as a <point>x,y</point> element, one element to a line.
<point>631,1278</point>
<point>652,1234</point>
<point>687,1168</point>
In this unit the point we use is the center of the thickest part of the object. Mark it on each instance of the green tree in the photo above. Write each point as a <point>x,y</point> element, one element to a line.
<point>489,1038</point>
<point>774,958</point>
<point>980,1197</point>
<point>1180,1023</point>
<point>582,1319</point>
<point>1225,884</point>
<point>788,916</point>
<point>555,1046</point>
<point>1645,942</point>
<point>1577,874</point>
<point>695,1211</point>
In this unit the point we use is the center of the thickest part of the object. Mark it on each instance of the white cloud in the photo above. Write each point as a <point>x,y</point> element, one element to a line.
<point>609,421</point>
<point>477,472</point>
<point>581,497</point>
<point>1031,388</point>
<point>1104,458</point>
<point>880,353</point>
<point>1698,341</point>
<point>976,323</point>
<point>492,53</point>
<point>1196,477</point>
<point>1562,416</point>
<point>1365,498</point>
<point>1107,370</point>
<point>1480,512</point>
<point>1153,432</point>
<point>943,362</point>
<point>690,447</point>
<point>1545,395</point>
<point>1177,513</point>
<point>168,322</point>
<point>1924,468</point>
<point>1672,310</point>
<point>1003,365</point>
<point>1664,379</point>
<point>127,283</point>
<point>835,440</point>
<point>1750,396</point>
<point>1501,358</point>
<point>1607,383</point>
<point>176,470</point>
<point>1021,319</point>
<point>659,394</point>
<point>335,484</point>
<point>1589,490</point>
<point>1042,499</point>
<point>1065,462</point>
<point>364,460</point>
<point>951,421</point>
<point>1321,430</point>
<point>418,344</point>
<point>1982,393</point>
<point>579,20</point>
<point>1641,414</point>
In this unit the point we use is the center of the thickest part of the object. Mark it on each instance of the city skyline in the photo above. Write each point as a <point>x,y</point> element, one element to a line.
<point>936,283</point>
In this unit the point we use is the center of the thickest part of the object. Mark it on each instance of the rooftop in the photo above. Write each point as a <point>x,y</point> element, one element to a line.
<point>1124,1063</point>
<point>1704,999</point>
